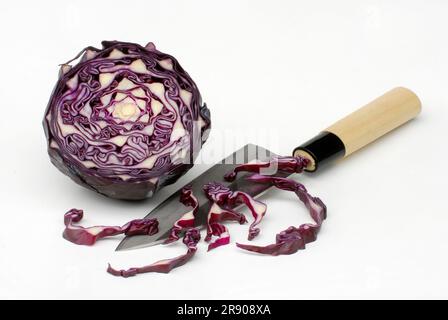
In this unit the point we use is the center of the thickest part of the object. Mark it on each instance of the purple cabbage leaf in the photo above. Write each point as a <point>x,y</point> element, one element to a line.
<point>186,221</point>
<point>283,164</point>
<point>222,199</point>
<point>191,239</point>
<point>88,236</point>
<point>292,239</point>
<point>215,215</point>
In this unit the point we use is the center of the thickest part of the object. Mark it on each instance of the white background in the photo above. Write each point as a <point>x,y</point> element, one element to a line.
<point>289,68</point>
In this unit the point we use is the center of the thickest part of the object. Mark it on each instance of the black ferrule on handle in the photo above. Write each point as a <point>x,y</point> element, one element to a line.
<point>322,148</point>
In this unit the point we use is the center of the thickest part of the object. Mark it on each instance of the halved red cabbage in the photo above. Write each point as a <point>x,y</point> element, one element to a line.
<point>292,239</point>
<point>191,239</point>
<point>125,121</point>
<point>88,236</point>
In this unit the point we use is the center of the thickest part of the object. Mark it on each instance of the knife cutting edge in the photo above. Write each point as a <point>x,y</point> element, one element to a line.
<point>341,139</point>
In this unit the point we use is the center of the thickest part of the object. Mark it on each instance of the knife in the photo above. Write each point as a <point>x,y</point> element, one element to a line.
<point>344,137</point>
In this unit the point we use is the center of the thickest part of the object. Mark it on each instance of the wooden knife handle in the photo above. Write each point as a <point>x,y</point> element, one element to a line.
<point>361,127</point>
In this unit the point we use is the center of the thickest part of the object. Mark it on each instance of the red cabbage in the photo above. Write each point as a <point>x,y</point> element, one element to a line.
<point>283,164</point>
<point>125,120</point>
<point>187,220</point>
<point>292,239</point>
<point>191,239</point>
<point>223,199</point>
<point>145,226</point>
<point>217,214</point>
<point>88,236</point>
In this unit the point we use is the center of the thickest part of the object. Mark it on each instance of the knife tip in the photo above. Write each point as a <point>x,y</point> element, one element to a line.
<point>124,246</point>
<point>120,247</point>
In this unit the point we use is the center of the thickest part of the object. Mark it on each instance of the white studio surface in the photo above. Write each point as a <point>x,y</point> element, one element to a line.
<point>281,70</point>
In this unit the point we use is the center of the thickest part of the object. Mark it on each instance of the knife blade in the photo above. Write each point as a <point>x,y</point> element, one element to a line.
<point>171,209</point>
